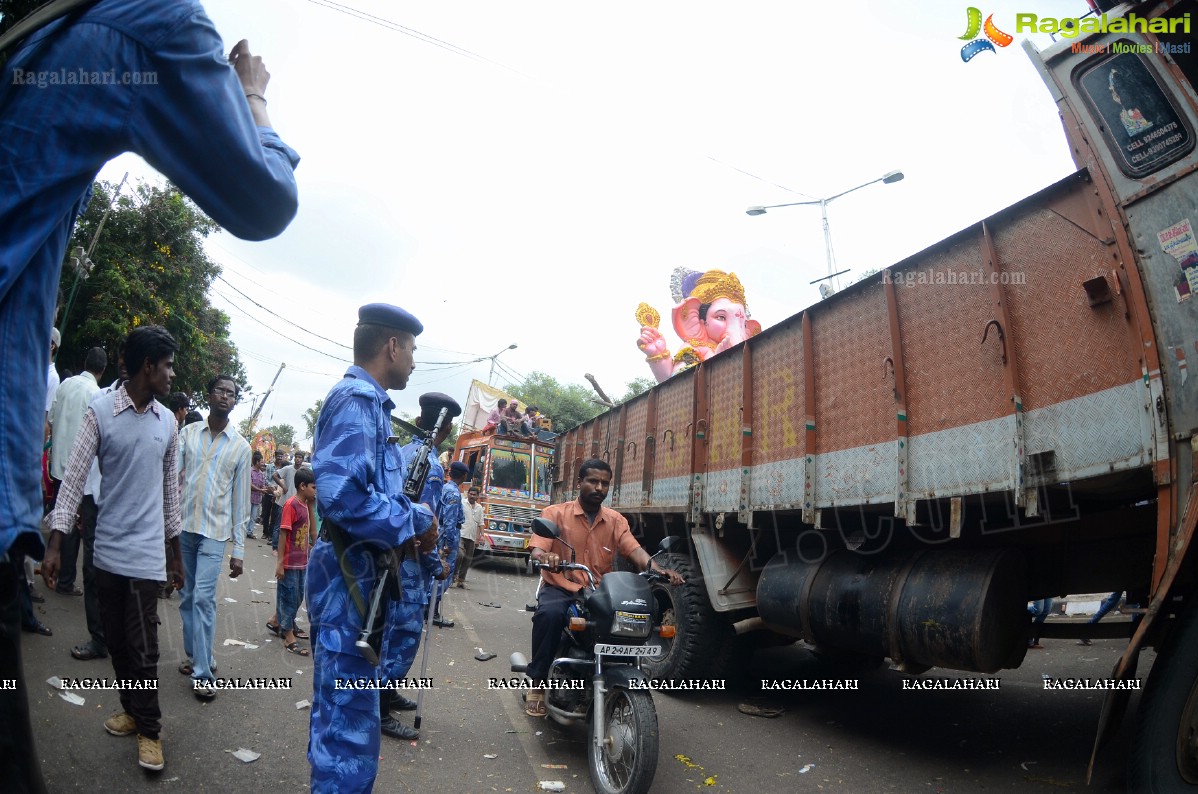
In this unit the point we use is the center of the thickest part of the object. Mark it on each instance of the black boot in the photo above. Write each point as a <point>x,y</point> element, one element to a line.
<point>391,726</point>
<point>401,703</point>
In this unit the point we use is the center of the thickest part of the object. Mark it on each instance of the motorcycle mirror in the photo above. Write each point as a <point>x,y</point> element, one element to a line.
<point>668,543</point>
<point>544,528</point>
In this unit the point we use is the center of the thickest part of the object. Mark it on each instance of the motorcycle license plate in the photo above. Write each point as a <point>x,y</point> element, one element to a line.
<point>628,650</point>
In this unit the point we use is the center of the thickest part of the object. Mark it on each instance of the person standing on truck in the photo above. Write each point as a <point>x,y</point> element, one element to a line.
<point>597,533</point>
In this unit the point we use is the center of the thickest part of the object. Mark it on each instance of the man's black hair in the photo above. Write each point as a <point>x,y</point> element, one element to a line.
<point>593,463</point>
<point>179,401</point>
<point>150,343</point>
<point>192,417</point>
<point>304,477</point>
<point>96,360</point>
<point>502,403</point>
<point>370,338</point>
<point>257,455</point>
<point>236,387</point>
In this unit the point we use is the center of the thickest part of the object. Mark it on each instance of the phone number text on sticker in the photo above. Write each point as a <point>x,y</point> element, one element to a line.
<point>628,650</point>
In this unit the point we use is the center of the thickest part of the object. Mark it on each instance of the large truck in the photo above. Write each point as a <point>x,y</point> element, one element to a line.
<point>1005,416</point>
<point>512,473</point>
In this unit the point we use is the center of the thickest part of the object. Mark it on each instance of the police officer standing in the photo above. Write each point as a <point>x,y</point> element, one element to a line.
<point>450,518</point>
<point>405,618</point>
<point>359,475</point>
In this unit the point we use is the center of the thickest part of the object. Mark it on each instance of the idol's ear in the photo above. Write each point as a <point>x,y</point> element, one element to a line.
<point>687,324</point>
<point>754,327</point>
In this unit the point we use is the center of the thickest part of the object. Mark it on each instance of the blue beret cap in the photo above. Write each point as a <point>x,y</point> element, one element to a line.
<point>390,317</point>
<point>460,467</point>
<point>432,402</point>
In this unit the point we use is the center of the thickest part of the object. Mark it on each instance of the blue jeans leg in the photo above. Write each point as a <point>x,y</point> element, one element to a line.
<point>291,593</point>
<point>202,559</point>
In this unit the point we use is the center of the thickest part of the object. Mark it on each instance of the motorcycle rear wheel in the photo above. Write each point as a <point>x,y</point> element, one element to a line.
<point>626,760</point>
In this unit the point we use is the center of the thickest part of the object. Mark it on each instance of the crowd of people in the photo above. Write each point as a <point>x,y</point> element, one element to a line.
<point>152,491</point>
<point>506,419</point>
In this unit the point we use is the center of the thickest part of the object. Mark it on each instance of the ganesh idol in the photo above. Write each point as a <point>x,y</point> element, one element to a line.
<point>710,315</point>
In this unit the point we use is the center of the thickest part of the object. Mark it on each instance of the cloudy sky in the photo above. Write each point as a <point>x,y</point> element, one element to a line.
<point>527,172</point>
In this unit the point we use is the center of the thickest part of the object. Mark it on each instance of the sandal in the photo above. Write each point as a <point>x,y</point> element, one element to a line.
<point>295,648</point>
<point>185,667</point>
<point>274,629</point>
<point>299,633</point>
<point>85,653</point>
<point>534,703</point>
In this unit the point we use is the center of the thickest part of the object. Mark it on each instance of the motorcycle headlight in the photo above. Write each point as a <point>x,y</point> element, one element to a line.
<point>630,624</point>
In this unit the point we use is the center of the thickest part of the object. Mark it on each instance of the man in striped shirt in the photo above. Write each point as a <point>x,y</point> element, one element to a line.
<point>215,462</point>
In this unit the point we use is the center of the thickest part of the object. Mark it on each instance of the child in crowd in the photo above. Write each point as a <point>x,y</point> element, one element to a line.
<point>297,530</point>
<point>257,488</point>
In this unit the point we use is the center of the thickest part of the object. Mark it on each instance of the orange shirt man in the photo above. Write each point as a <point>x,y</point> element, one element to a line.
<point>597,533</point>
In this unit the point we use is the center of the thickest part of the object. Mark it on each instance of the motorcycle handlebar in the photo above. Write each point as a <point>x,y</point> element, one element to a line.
<point>568,566</point>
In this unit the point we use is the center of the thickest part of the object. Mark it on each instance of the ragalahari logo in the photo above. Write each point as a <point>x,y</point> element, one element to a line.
<point>975,26</point>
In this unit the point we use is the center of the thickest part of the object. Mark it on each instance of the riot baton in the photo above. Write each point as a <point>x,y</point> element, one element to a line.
<point>428,638</point>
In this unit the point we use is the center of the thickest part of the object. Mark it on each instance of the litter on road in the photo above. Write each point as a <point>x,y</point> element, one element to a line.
<point>551,785</point>
<point>71,697</point>
<point>490,755</point>
<point>248,756</point>
<point>303,704</point>
<point>483,656</point>
<point>760,710</point>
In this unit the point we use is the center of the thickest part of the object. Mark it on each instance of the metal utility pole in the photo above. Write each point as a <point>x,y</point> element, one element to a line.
<point>82,260</point>
<point>249,428</point>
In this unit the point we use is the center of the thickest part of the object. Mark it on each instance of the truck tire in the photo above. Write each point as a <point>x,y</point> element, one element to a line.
<point>1164,755</point>
<point>704,641</point>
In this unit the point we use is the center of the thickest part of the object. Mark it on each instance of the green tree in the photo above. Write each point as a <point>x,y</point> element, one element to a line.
<point>284,434</point>
<point>310,417</point>
<point>568,405</point>
<point>405,436</point>
<point>149,267</point>
<point>635,387</point>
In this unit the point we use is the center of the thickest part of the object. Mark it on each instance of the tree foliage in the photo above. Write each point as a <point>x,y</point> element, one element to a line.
<point>310,417</point>
<point>567,405</point>
<point>635,387</point>
<point>284,434</point>
<point>149,267</point>
<point>405,436</point>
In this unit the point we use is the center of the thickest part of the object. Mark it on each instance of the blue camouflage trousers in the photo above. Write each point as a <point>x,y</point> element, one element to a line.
<point>343,741</point>
<point>405,621</point>
<point>451,539</point>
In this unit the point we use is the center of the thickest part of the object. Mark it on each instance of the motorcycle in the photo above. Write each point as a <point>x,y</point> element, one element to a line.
<point>598,662</point>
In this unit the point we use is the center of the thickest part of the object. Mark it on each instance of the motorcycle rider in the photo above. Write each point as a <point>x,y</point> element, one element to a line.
<point>597,533</point>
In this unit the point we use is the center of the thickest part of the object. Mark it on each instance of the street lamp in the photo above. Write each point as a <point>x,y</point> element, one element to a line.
<point>887,179</point>
<point>492,373</point>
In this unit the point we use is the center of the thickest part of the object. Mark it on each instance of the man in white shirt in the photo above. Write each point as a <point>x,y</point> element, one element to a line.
<point>470,527</point>
<point>66,416</point>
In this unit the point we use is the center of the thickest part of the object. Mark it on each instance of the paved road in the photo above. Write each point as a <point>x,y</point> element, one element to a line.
<point>878,738</point>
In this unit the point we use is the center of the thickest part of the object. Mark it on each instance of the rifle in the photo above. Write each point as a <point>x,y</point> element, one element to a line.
<point>386,583</point>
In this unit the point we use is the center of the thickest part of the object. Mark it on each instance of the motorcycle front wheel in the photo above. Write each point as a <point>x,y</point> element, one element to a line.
<point>625,761</point>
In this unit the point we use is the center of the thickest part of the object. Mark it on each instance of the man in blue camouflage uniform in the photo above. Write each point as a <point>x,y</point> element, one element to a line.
<point>359,474</point>
<point>405,618</point>
<point>449,518</point>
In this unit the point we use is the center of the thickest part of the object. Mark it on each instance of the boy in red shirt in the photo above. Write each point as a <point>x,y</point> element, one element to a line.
<point>296,526</point>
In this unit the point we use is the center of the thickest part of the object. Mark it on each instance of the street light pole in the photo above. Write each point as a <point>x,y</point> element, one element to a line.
<point>491,374</point>
<point>887,179</point>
